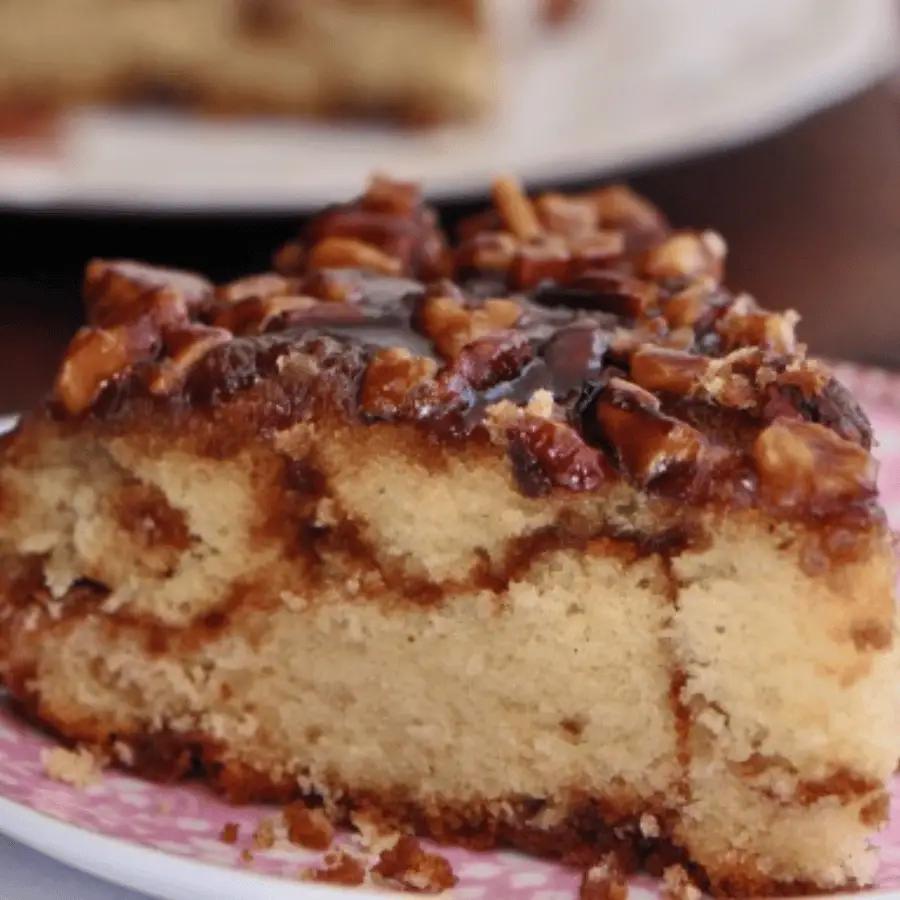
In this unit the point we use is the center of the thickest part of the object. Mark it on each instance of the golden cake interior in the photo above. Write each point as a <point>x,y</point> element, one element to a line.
<point>578,553</point>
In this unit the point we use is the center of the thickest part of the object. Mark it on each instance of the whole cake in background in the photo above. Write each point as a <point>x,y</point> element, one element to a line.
<point>540,538</point>
<point>415,61</point>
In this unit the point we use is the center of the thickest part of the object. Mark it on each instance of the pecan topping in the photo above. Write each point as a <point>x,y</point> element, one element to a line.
<point>515,209</point>
<point>801,464</point>
<point>665,370</point>
<point>390,378</point>
<point>186,347</point>
<point>96,355</point>
<point>349,253</point>
<point>686,254</point>
<point>451,326</point>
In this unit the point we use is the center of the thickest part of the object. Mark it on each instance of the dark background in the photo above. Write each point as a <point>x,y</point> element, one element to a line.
<point>811,216</point>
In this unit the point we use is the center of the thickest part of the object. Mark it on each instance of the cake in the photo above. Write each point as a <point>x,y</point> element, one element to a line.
<point>410,60</point>
<point>537,537</point>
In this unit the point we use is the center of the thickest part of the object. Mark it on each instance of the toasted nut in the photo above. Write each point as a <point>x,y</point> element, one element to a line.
<point>450,326</point>
<point>547,260</point>
<point>487,361</point>
<point>619,207</point>
<point>255,315</point>
<point>396,198</point>
<point>647,443</point>
<point>118,292</point>
<point>613,293</point>
<point>390,378</point>
<point>805,465</point>
<point>269,284</point>
<point>567,216</point>
<point>186,347</point>
<point>96,355</point>
<point>744,324</point>
<point>685,255</point>
<point>687,306</point>
<point>597,250</point>
<point>488,252</point>
<point>348,253</point>
<point>660,369</point>
<point>515,209</point>
<point>290,260</point>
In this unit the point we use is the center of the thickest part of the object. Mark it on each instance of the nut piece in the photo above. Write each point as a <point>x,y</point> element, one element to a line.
<point>349,253</point>
<point>568,216</point>
<point>395,198</point>
<point>647,443</point>
<point>260,287</point>
<point>96,355</point>
<point>544,260</point>
<point>119,292</point>
<point>391,377</point>
<point>686,254</point>
<point>671,371</point>
<point>186,347</point>
<point>515,209</point>
<point>307,827</point>
<point>802,466</point>
<point>620,208</point>
<point>744,324</point>
<point>451,326</point>
<point>493,251</point>
<point>255,315</point>
<point>686,307</point>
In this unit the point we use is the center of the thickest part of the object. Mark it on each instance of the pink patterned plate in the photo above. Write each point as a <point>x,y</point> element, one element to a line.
<point>165,841</point>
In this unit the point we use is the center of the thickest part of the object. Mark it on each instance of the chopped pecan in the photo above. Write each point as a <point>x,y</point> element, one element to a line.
<point>119,292</point>
<point>186,347</point>
<point>516,210</point>
<point>96,355</point>
<point>805,465</point>
<point>349,253</point>
<point>685,254</point>
<point>671,371</point>
<point>451,326</point>
<point>396,198</point>
<point>567,216</point>
<point>647,443</point>
<point>620,208</point>
<point>691,303</point>
<point>493,251</point>
<point>744,324</point>
<point>261,287</point>
<point>391,377</point>
<point>544,260</point>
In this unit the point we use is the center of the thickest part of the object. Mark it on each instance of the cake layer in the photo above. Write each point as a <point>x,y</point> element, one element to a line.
<point>578,552</point>
<point>405,58</point>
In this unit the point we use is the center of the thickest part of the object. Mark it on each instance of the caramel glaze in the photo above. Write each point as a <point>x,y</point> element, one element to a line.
<point>658,374</point>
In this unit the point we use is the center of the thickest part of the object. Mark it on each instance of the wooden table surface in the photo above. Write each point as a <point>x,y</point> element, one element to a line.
<point>812,218</point>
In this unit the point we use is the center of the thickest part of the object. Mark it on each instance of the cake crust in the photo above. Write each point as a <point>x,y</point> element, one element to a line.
<point>304,534</point>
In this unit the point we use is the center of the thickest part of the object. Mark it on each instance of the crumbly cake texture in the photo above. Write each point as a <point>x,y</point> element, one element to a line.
<point>416,61</point>
<point>539,537</point>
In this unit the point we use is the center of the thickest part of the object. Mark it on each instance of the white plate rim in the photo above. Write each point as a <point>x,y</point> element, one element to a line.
<point>848,46</point>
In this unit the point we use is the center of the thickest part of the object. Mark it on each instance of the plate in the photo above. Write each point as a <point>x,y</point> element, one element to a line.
<point>636,81</point>
<point>164,840</point>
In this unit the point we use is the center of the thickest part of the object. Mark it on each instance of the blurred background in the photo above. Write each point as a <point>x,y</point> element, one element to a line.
<point>776,123</point>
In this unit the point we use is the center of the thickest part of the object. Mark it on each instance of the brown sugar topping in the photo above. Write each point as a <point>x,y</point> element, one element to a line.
<point>653,371</point>
<point>230,833</point>
<point>408,867</point>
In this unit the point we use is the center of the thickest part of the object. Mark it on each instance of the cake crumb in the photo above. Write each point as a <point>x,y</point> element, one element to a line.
<point>649,826</point>
<point>230,833</point>
<point>339,868</point>
<point>605,881</point>
<point>164,808</point>
<point>264,836</point>
<point>375,833</point>
<point>78,768</point>
<point>407,867</point>
<point>246,856</point>
<point>308,828</point>
<point>677,885</point>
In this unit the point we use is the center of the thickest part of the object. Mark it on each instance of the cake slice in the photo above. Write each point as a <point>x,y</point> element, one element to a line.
<point>540,538</point>
<point>410,60</point>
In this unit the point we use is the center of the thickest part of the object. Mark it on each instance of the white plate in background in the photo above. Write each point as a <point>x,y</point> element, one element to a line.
<point>637,81</point>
